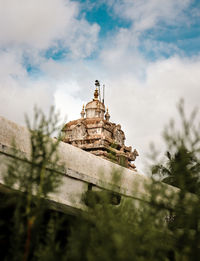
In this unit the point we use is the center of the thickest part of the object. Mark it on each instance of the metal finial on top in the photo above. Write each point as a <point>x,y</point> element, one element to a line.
<point>96,94</point>
<point>83,112</point>
<point>97,84</point>
<point>107,115</point>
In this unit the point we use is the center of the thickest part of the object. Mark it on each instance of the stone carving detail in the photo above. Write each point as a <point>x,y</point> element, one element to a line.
<point>78,132</point>
<point>118,135</point>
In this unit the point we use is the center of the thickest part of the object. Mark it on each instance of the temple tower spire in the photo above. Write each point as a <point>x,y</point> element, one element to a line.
<point>95,133</point>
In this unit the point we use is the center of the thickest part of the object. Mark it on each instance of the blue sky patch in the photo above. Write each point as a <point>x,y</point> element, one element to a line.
<point>100,13</point>
<point>33,70</point>
<point>173,39</point>
<point>182,38</point>
<point>161,41</point>
<point>56,53</point>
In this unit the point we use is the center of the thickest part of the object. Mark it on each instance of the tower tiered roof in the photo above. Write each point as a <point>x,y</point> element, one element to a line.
<point>95,133</point>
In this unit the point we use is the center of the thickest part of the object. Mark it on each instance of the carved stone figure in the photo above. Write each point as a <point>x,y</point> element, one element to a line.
<point>118,135</point>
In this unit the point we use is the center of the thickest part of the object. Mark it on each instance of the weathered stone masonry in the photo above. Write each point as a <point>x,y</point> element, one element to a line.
<point>94,133</point>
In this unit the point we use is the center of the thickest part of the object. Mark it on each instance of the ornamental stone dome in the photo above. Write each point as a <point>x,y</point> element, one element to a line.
<point>97,135</point>
<point>95,109</point>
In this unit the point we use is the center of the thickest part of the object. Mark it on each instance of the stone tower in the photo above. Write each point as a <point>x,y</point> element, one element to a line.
<point>94,133</point>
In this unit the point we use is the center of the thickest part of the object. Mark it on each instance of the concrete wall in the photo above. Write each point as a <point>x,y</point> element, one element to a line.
<point>80,169</point>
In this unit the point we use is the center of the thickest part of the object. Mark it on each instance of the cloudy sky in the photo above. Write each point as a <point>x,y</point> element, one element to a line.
<point>146,52</point>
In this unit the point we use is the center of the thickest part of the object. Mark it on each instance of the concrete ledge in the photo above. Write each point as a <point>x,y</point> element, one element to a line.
<point>80,169</point>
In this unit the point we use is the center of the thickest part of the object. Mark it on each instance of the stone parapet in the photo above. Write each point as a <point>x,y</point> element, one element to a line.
<point>81,171</point>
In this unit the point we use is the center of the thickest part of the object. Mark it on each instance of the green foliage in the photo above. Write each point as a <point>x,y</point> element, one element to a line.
<point>34,176</point>
<point>165,228</point>
<point>182,168</point>
<point>162,227</point>
<point>125,232</point>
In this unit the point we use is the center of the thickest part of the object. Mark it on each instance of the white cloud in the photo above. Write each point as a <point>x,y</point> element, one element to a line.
<point>144,107</point>
<point>19,93</point>
<point>39,24</point>
<point>145,14</point>
<point>120,54</point>
<point>35,23</point>
<point>68,106</point>
<point>10,66</point>
<point>82,40</point>
<point>27,29</point>
<point>17,100</point>
<point>77,77</point>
